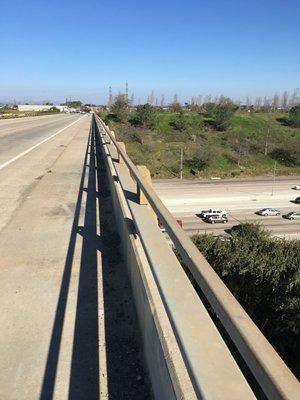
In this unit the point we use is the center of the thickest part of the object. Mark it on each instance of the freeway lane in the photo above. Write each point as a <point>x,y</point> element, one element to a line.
<point>240,198</point>
<point>18,178</point>
<point>277,225</point>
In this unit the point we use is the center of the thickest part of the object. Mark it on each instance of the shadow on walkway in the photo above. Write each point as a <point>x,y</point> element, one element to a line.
<point>126,377</point>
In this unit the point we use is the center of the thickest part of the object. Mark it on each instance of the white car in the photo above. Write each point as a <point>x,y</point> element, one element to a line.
<point>297,187</point>
<point>268,211</point>
<point>213,211</point>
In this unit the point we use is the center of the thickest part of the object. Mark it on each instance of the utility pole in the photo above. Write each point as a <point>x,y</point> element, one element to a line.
<point>266,141</point>
<point>132,100</point>
<point>274,174</point>
<point>181,162</point>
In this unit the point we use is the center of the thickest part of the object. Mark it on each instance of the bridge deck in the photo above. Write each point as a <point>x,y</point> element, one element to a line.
<point>68,326</point>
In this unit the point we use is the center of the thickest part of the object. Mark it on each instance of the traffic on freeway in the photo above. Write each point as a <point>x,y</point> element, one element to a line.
<point>216,206</point>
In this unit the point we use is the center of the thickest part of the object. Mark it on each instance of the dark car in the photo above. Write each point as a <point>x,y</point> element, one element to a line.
<point>215,218</point>
<point>297,200</point>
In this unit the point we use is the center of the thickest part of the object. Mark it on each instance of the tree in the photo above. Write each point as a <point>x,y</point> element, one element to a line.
<point>208,109</point>
<point>194,105</point>
<point>285,100</point>
<point>74,104</point>
<point>145,116</point>
<point>295,98</point>
<point>222,115</point>
<point>151,98</point>
<point>266,104</point>
<point>86,108</point>
<point>120,107</point>
<point>258,103</point>
<point>275,101</point>
<point>176,106</point>
<point>241,145</point>
<point>110,97</point>
<point>180,121</point>
<point>294,116</point>
<point>224,100</point>
<point>263,274</point>
<point>199,100</point>
<point>132,99</point>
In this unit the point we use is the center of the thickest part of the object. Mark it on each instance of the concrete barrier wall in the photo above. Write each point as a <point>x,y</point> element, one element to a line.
<point>184,352</point>
<point>160,347</point>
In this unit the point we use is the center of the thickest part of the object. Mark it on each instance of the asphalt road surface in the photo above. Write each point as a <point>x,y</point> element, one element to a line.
<point>241,198</point>
<point>28,148</point>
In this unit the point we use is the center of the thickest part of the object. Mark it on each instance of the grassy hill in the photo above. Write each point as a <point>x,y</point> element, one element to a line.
<point>248,148</point>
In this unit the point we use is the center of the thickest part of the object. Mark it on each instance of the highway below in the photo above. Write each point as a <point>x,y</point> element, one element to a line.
<point>241,198</point>
<point>68,327</point>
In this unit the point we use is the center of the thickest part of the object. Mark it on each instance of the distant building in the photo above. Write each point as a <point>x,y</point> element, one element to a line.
<point>41,107</point>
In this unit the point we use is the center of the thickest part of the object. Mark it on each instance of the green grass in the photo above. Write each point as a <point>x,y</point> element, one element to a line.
<point>7,114</point>
<point>237,152</point>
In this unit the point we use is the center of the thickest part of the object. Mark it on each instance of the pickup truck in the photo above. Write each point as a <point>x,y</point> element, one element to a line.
<point>213,211</point>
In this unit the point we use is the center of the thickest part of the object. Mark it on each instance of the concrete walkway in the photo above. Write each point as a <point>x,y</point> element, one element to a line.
<point>68,326</point>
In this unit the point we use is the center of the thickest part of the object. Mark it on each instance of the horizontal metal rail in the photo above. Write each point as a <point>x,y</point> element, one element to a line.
<point>272,374</point>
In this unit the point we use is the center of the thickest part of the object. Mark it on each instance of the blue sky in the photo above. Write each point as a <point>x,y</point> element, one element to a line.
<point>58,49</point>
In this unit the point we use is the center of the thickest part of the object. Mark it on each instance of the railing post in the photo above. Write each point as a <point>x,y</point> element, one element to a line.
<point>145,173</point>
<point>142,199</point>
<point>123,148</point>
<point>112,133</point>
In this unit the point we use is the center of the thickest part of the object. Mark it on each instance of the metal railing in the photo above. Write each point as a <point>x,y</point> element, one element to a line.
<point>272,374</point>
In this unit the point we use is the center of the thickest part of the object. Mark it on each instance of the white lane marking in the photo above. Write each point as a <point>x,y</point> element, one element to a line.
<point>38,144</point>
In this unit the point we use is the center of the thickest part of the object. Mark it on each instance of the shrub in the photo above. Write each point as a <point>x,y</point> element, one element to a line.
<point>284,156</point>
<point>221,115</point>
<point>195,163</point>
<point>176,106</point>
<point>180,122</point>
<point>294,116</point>
<point>145,116</point>
<point>119,108</point>
<point>263,274</point>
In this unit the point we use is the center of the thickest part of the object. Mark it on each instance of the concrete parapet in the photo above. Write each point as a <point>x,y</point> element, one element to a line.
<point>185,354</point>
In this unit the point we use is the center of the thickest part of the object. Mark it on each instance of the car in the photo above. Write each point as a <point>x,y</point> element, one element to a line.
<point>236,228</point>
<point>213,211</point>
<point>297,200</point>
<point>215,218</point>
<point>292,215</point>
<point>268,211</point>
<point>297,187</point>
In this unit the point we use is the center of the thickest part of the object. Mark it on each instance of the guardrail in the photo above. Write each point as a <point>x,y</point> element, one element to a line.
<point>272,374</point>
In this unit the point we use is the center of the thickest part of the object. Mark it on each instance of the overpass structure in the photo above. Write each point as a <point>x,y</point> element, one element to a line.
<point>67,333</point>
<point>188,354</point>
